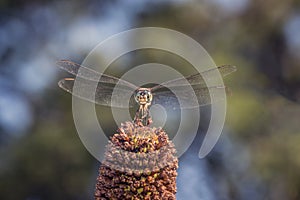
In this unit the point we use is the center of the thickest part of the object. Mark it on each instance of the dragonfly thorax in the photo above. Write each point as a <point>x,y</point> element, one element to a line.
<point>143,96</point>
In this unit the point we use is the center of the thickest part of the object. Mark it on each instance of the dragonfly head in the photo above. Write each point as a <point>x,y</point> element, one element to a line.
<point>143,96</point>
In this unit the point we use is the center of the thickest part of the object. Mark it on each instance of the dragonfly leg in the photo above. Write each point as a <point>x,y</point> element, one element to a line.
<point>137,118</point>
<point>142,116</point>
<point>149,121</point>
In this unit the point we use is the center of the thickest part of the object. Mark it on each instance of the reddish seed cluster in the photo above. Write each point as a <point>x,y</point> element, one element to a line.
<point>140,163</point>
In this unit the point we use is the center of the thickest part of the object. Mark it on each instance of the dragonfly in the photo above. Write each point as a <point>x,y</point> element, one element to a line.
<point>191,90</point>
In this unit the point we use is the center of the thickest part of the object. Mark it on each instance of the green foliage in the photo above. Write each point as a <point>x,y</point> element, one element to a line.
<point>50,163</point>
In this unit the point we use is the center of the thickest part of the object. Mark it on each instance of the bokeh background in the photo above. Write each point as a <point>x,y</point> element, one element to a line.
<point>257,156</point>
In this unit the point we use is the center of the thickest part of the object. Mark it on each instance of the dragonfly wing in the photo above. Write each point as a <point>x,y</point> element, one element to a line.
<point>196,79</point>
<point>188,97</point>
<point>89,74</point>
<point>98,92</point>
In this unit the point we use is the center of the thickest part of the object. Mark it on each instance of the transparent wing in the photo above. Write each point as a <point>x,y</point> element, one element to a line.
<point>196,79</point>
<point>103,94</point>
<point>89,74</point>
<point>187,97</point>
